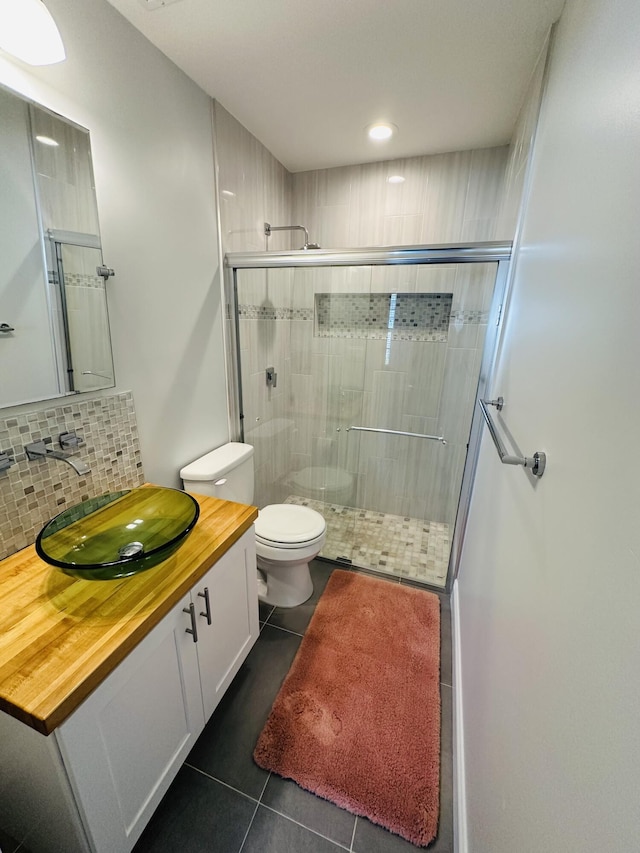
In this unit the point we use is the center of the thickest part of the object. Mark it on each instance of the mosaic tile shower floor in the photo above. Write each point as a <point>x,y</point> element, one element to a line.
<point>406,547</point>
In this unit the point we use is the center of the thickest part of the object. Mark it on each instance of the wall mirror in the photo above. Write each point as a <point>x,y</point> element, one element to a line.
<point>54,326</point>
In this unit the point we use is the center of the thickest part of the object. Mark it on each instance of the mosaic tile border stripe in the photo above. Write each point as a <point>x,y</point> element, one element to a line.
<point>73,279</point>
<point>31,493</point>
<point>270,312</point>
<point>262,312</point>
<point>382,335</point>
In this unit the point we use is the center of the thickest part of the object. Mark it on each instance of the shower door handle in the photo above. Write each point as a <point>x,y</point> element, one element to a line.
<point>439,438</point>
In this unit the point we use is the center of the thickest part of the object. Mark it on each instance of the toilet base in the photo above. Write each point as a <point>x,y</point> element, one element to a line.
<point>285,586</point>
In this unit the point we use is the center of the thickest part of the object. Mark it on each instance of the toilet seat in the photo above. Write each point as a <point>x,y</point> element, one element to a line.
<point>289,526</point>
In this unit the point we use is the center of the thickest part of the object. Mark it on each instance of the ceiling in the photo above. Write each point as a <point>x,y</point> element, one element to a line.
<point>306,77</point>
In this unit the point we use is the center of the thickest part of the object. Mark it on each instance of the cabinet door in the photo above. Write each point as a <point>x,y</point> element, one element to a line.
<point>231,589</point>
<point>123,746</point>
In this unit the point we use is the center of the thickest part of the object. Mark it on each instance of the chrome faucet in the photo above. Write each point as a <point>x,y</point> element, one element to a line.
<point>40,450</point>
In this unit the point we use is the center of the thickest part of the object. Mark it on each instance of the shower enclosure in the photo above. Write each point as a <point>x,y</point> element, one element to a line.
<point>357,374</point>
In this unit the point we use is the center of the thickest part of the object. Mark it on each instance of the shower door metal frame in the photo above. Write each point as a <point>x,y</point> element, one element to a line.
<point>467,253</point>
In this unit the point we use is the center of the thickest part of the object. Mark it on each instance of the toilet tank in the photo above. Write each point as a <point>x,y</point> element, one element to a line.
<point>225,473</point>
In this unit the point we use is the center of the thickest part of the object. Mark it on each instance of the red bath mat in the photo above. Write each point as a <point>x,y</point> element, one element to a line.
<point>357,719</point>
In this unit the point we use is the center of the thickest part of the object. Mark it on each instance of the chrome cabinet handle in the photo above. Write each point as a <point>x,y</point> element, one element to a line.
<point>207,605</point>
<point>193,630</point>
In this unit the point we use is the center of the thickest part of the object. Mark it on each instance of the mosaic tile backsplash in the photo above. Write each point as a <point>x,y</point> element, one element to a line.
<point>400,316</point>
<point>33,492</point>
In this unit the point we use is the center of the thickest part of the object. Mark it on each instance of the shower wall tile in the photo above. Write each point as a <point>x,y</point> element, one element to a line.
<point>445,198</point>
<point>365,227</point>
<point>478,230</point>
<point>254,188</point>
<point>482,204</point>
<point>303,287</point>
<point>403,230</point>
<point>409,197</point>
<point>402,279</point>
<point>33,492</point>
<point>329,227</point>
<point>387,403</point>
<point>473,288</point>
<point>456,404</point>
<point>435,279</point>
<point>299,349</point>
<point>462,335</point>
<point>332,187</point>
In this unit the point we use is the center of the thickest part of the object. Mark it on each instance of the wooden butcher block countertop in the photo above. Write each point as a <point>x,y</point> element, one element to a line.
<point>60,636</point>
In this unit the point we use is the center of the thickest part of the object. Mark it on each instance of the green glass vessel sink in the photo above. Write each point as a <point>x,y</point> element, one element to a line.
<point>119,534</point>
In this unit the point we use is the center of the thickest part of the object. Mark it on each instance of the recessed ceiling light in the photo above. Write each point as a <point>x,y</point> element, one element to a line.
<point>381,131</point>
<point>395,179</point>
<point>47,140</point>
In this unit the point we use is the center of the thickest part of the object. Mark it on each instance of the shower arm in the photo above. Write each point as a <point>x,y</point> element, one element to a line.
<point>269,228</point>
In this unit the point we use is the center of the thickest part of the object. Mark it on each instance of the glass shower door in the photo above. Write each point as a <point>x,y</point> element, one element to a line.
<point>424,349</point>
<point>367,414</point>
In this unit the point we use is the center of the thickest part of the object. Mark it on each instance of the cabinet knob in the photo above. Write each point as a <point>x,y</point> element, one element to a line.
<point>193,630</point>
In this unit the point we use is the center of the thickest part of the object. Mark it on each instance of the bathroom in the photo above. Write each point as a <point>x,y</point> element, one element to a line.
<point>168,351</point>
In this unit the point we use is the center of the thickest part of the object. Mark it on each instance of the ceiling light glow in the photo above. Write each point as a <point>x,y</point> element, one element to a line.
<point>380,132</point>
<point>395,179</point>
<point>28,32</point>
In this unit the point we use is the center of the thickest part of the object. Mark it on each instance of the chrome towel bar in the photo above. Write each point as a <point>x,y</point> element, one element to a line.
<point>439,438</point>
<point>535,463</point>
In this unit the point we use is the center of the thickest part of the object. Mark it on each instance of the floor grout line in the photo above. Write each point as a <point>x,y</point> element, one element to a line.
<point>264,787</point>
<point>304,826</point>
<point>280,628</point>
<point>353,834</point>
<point>246,835</point>
<point>226,784</point>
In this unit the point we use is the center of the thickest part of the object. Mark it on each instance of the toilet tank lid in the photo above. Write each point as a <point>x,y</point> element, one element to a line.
<point>216,463</point>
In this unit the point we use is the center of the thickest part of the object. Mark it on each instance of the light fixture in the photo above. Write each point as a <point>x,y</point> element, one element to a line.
<point>395,179</point>
<point>381,131</point>
<point>28,32</point>
<point>47,140</point>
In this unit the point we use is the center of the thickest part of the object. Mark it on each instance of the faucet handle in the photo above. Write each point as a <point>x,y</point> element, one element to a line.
<point>70,440</point>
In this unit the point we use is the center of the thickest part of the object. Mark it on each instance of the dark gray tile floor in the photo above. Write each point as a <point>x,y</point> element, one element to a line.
<point>222,802</point>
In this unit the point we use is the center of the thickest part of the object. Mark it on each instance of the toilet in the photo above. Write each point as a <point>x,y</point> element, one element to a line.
<point>288,537</point>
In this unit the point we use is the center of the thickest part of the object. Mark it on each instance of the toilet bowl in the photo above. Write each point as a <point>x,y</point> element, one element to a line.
<point>287,536</point>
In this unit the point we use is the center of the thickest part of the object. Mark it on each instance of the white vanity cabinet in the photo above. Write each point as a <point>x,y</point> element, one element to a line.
<point>115,756</point>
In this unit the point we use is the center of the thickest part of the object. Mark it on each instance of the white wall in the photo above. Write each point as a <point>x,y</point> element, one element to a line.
<point>153,157</point>
<point>549,585</point>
